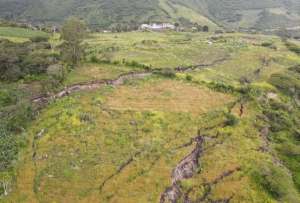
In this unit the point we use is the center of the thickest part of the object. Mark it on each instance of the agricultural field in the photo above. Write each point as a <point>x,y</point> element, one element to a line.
<point>211,118</point>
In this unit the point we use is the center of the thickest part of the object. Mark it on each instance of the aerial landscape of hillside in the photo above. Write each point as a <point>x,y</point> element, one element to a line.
<point>137,101</point>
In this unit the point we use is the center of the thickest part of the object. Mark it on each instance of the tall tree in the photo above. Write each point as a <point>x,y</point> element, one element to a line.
<point>73,32</point>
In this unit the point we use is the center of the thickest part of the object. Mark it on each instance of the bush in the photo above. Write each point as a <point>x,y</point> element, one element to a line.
<point>293,47</point>
<point>8,97</point>
<point>221,87</point>
<point>189,77</point>
<point>8,149</point>
<point>167,72</point>
<point>134,64</point>
<point>267,44</point>
<point>295,68</point>
<point>231,120</point>
<point>39,39</point>
<point>94,59</point>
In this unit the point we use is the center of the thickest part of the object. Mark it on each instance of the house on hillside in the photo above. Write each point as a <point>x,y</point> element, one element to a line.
<point>157,26</point>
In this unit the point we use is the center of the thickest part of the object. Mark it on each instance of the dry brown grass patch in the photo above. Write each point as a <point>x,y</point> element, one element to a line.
<point>167,96</point>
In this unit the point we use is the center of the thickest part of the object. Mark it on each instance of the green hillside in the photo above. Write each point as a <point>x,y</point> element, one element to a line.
<point>268,14</point>
<point>145,107</point>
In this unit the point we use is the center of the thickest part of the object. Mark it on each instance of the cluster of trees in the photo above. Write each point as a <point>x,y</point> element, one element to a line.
<point>29,60</point>
<point>124,27</point>
<point>200,28</point>
<point>20,60</point>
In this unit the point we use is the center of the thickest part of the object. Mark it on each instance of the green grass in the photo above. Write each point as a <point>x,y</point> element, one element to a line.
<point>94,72</point>
<point>88,136</point>
<point>158,50</point>
<point>19,34</point>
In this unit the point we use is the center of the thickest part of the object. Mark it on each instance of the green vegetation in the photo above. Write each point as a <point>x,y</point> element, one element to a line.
<point>293,47</point>
<point>128,15</point>
<point>73,33</point>
<point>17,61</point>
<point>120,140</point>
<point>21,34</point>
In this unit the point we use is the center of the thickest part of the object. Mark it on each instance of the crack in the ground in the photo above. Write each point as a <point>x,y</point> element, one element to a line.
<point>187,167</point>
<point>184,170</point>
<point>208,186</point>
<point>119,170</point>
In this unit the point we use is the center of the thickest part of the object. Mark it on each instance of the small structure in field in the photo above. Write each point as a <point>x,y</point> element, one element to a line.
<point>157,26</point>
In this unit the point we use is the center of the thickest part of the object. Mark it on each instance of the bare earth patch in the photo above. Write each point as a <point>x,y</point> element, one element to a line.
<point>168,95</point>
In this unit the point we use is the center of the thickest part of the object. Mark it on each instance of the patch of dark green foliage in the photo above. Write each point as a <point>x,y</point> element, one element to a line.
<point>8,149</point>
<point>293,47</point>
<point>18,60</point>
<point>166,72</point>
<point>134,64</point>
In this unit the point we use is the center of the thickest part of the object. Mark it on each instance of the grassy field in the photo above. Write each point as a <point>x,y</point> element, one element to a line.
<point>158,50</point>
<point>19,34</point>
<point>121,143</point>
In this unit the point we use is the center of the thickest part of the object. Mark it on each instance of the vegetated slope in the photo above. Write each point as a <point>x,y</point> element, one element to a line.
<point>20,34</point>
<point>226,132</point>
<point>101,13</point>
<point>254,13</point>
<point>104,13</point>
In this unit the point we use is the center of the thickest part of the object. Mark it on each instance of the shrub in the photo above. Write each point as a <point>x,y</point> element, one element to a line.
<point>189,77</point>
<point>8,97</point>
<point>221,87</point>
<point>267,44</point>
<point>94,59</point>
<point>8,149</point>
<point>295,68</point>
<point>39,39</point>
<point>167,72</point>
<point>293,47</point>
<point>231,120</point>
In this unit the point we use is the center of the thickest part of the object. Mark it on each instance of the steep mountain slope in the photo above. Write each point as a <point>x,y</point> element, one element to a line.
<point>266,14</point>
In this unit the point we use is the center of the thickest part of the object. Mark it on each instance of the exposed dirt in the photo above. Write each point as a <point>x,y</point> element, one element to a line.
<point>184,170</point>
<point>188,166</point>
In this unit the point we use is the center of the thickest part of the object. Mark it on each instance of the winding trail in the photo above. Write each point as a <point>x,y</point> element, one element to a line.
<point>118,81</point>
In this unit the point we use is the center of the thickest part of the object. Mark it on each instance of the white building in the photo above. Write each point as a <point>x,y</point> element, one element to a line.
<point>158,26</point>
